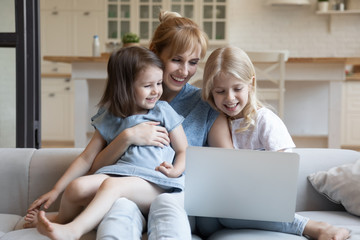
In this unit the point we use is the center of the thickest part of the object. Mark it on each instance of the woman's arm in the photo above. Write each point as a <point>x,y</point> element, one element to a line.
<point>179,144</point>
<point>143,134</point>
<point>79,167</point>
<point>220,135</point>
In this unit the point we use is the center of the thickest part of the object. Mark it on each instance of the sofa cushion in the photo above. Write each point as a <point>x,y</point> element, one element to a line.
<point>340,184</point>
<point>253,234</point>
<point>332,217</point>
<point>24,234</point>
<point>8,222</point>
<point>32,234</point>
<point>314,160</point>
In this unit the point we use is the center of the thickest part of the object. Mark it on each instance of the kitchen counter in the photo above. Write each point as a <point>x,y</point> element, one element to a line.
<point>312,99</point>
<point>104,58</point>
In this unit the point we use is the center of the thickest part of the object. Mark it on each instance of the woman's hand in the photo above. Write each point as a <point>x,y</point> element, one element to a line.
<point>149,134</point>
<point>47,199</point>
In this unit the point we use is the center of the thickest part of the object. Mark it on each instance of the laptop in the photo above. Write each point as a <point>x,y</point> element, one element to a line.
<point>241,184</point>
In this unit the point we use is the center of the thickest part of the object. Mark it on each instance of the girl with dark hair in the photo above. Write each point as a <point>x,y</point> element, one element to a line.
<point>132,94</point>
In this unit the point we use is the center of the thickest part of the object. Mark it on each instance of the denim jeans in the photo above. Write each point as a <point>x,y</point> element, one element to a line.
<point>208,226</point>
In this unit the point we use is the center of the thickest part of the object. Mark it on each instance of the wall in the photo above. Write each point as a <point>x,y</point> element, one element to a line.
<point>253,25</point>
<point>7,77</point>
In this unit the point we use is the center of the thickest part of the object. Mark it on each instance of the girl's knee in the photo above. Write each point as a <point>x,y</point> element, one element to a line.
<point>75,190</point>
<point>110,183</point>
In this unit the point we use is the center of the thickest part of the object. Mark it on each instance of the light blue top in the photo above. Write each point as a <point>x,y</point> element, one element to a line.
<point>199,116</point>
<point>141,161</point>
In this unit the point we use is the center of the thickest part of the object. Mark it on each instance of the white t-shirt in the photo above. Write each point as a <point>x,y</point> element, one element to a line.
<point>269,133</point>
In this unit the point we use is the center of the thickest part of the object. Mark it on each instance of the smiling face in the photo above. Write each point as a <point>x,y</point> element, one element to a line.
<point>230,95</point>
<point>147,88</point>
<point>178,70</point>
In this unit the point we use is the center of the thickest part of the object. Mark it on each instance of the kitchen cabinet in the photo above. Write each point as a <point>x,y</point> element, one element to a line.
<point>89,5</point>
<point>56,32</point>
<point>57,100</point>
<point>72,5</point>
<point>141,17</point>
<point>67,29</point>
<point>67,32</point>
<point>86,25</point>
<point>56,4</point>
<point>351,114</point>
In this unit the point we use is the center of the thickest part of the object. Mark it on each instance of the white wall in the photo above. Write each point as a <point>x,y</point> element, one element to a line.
<point>253,25</point>
<point>7,78</point>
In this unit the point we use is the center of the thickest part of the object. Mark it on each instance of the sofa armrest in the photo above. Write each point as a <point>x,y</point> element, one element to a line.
<point>46,167</point>
<point>14,170</point>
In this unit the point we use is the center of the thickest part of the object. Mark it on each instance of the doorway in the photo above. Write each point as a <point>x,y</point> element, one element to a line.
<point>20,74</point>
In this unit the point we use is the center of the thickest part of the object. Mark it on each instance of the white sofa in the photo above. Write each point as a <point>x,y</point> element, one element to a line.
<point>25,174</point>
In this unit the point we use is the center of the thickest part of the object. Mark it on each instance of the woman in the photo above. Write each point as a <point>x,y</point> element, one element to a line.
<point>180,44</point>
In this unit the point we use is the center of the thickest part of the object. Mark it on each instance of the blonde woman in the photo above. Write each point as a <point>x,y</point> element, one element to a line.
<point>180,44</point>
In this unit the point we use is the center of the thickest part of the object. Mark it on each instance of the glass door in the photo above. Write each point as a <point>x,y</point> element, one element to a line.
<point>20,74</point>
<point>7,78</point>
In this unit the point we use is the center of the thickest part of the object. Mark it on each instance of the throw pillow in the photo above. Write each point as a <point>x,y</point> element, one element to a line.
<point>341,185</point>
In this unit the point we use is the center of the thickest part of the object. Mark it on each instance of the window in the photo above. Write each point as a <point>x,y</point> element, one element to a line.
<point>141,17</point>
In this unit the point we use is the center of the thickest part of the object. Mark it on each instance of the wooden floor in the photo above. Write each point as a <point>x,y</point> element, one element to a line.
<point>356,148</point>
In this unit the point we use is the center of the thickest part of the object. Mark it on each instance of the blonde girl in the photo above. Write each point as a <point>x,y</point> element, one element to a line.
<point>229,85</point>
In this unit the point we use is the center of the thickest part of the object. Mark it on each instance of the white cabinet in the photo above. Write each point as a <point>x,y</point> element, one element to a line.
<point>56,4</point>
<point>89,5</point>
<point>351,114</point>
<point>69,31</point>
<point>96,5</point>
<point>56,32</point>
<point>57,115</point>
<point>86,24</point>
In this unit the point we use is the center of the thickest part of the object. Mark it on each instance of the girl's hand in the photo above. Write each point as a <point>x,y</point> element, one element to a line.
<point>149,134</point>
<point>46,200</point>
<point>167,169</point>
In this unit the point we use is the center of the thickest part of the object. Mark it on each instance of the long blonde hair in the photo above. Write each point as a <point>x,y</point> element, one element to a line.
<point>178,34</point>
<point>234,61</point>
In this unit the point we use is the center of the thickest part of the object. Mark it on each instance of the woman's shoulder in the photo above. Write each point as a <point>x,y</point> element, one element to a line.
<point>189,90</point>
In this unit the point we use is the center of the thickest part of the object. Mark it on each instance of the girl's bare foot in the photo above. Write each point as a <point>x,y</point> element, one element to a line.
<point>31,219</point>
<point>333,233</point>
<point>325,231</point>
<point>53,230</point>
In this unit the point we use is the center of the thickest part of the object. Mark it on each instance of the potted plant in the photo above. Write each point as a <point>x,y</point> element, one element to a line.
<point>323,5</point>
<point>130,39</point>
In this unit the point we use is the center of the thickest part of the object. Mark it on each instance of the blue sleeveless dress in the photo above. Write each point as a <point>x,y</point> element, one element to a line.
<point>141,161</point>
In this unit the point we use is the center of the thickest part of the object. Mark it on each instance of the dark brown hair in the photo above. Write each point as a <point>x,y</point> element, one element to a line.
<point>123,67</point>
